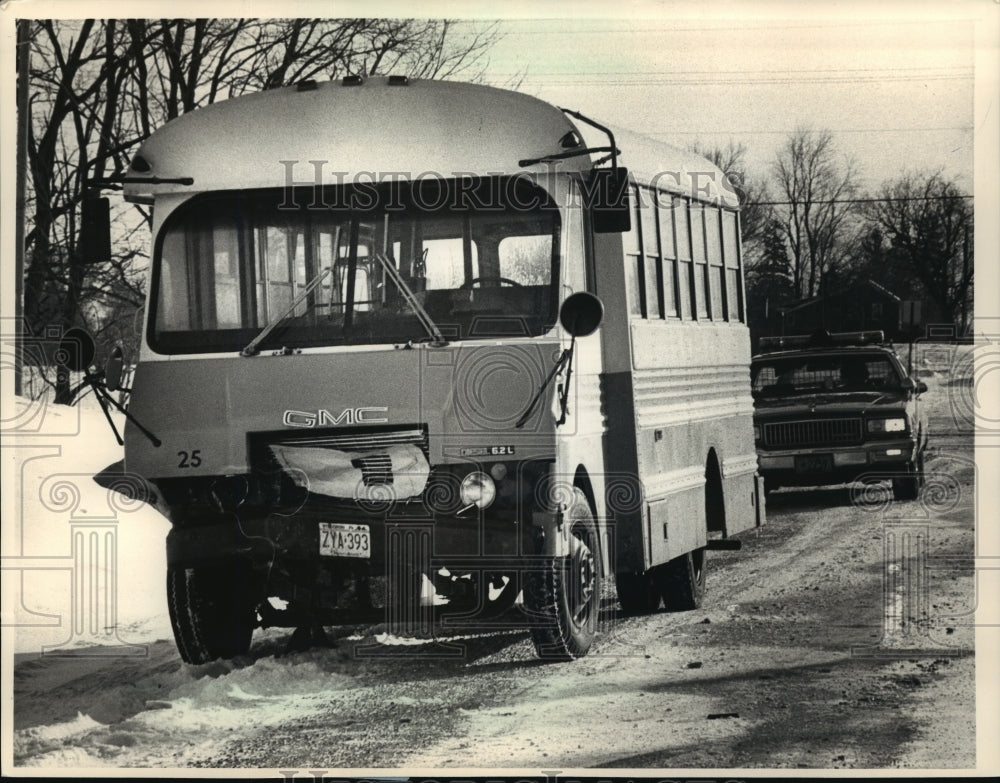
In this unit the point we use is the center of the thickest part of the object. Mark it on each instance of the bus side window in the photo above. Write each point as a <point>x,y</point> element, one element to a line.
<point>668,254</point>
<point>685,278</point>
<point>633,259</point>
<point>730,250</point>
<point>650,253</point>
<point>716,271</point>
<point>700,266</point>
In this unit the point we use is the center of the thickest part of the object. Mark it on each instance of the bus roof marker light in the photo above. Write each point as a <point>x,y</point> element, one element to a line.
<point>306,86</point>
<point>399,81</point>
<point>352,81</point>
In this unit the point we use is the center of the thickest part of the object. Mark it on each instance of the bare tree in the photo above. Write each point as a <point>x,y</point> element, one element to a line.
<point>812,215</point>
<point>97,88</point>
<point>752,193</point>
<point>923,226</point>
<point>75,132</point>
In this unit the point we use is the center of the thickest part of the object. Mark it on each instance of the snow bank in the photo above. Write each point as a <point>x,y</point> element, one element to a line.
<point>82,566</point>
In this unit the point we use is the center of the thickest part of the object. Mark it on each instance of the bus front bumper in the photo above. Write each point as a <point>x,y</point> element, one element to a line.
<point>268,539</point>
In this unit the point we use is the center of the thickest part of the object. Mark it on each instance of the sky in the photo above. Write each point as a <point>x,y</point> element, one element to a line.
<point>897,93</point>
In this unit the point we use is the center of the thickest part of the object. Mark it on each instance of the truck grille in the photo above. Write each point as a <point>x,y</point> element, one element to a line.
<point>814,432</point>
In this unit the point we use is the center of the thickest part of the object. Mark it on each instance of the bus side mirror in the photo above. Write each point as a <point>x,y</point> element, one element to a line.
<point>609,207</point>
<point>95,230</point>
<point>581,314</point>
<point>113,369</point>
<point>76,350</point>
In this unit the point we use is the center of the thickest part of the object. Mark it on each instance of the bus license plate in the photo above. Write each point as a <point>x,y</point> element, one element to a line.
<point>344,540</point>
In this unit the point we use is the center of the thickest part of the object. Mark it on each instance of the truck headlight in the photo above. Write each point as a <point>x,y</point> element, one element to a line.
<point>478,490</point>
<point>887,425</point>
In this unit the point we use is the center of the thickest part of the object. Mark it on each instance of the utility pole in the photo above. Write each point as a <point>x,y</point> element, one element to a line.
<point>965,276</point>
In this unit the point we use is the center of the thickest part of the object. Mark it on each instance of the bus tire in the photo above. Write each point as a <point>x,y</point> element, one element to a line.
<point>638,593</point>
<point>682,581</point>
<point>563,598</point>
<point>212,611</point>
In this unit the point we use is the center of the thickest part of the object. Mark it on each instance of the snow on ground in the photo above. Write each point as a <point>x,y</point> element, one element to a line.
<point>158,712</point>
<point>82,565</point>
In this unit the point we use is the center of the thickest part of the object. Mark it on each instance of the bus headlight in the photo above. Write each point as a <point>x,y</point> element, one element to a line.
<point>756,432</point>
<point>478,490</point>
<point>886,425</point>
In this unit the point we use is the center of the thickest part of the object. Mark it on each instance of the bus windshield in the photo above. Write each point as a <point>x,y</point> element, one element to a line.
<point>481,262</point>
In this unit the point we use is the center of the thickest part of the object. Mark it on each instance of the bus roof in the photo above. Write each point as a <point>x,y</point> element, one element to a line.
<point>381,129</point>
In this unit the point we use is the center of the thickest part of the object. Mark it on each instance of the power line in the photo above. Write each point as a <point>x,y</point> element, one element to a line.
<point>857,200</point>
<point>929,70</point>
<point>967,128</point>
<point>763,26</point>
<point>714,82</point>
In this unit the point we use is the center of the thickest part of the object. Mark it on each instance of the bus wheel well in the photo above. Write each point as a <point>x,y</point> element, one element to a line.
<point>715,502</point>
<point>582,481</point>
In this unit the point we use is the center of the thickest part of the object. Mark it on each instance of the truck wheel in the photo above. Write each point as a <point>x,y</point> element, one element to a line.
<point>212,611</point>
<point>682,581</point>
<point>564,597</point>
<point>907,487</point>
<point>638,593</point>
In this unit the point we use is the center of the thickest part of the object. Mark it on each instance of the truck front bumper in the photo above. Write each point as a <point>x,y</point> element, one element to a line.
<point>835,465</point>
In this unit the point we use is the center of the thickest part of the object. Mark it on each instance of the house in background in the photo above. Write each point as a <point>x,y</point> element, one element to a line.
<point>863,306</point>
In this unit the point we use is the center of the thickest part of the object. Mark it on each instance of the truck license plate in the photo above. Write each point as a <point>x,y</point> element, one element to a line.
<point>814,463</point>
<point>344,540</point>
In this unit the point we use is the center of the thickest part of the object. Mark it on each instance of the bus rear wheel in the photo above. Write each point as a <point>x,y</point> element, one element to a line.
<point>638,593</point>
<point>682,581</point>
<point>212,611</point>
<point>564,597</point>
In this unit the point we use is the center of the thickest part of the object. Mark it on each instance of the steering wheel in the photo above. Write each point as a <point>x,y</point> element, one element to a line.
<point>507,280</point>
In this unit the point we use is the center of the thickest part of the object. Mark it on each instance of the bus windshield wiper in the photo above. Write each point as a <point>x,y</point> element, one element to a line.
<point>437,339</point>
<point>253,347</point>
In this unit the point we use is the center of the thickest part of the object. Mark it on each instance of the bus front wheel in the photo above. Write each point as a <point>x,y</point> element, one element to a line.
<point>564,597</point>
<point>212,611</point>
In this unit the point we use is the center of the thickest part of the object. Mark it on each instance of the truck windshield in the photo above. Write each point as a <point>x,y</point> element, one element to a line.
<point>858,372</point>
<point>481,260</point>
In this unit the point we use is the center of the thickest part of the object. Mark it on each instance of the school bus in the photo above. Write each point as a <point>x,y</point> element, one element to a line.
<point>414,347</point>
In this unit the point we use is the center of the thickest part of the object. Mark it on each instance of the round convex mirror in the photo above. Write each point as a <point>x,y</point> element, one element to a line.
<point>581,314</point>
<point>76,350</point>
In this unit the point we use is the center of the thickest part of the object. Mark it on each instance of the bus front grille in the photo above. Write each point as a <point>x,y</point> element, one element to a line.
<point>813,432</point>
<point>368,449</point>
<point>357,440</point>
